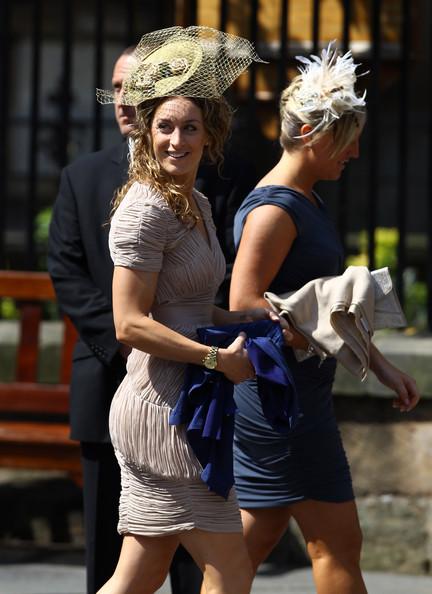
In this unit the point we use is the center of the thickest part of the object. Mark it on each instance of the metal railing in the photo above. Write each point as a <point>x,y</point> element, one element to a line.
<point>29,174</point>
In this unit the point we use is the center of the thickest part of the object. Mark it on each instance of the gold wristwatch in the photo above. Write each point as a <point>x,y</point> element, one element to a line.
<point>210,360</point>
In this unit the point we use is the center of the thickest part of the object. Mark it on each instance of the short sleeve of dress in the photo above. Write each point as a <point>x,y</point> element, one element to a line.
<point>285,198</point>
<point>139,228</point>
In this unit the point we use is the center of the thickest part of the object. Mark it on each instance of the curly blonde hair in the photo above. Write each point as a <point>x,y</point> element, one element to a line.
<point>344,129</point>
<point>145,168</point>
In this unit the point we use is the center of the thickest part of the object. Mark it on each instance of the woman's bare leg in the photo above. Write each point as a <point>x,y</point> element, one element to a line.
<point>333,538</point>
<point>263,529</point>
<point>143,565</point>
<point>332,534</point>
<point>223,559</point>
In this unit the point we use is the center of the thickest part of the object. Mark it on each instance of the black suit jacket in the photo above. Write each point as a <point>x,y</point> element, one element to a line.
<point>81,269</point>
<point>226,189</point>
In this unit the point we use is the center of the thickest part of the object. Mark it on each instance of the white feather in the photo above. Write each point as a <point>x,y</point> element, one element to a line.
<point>328,85</point>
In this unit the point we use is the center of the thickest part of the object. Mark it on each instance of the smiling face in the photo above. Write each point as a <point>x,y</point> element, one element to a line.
<point>179,137</point>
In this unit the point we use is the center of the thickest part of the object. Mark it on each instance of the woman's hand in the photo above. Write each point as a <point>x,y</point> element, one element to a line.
<point>407,394</point>
<point>234,362</point>
<point>292,338</point>
<point>405,387</point>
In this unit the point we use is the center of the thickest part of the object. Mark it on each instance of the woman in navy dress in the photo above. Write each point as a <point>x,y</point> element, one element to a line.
<point>286,239</point>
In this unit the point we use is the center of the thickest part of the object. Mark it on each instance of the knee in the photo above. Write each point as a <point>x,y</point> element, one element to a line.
<point>149,583</point>
<point>344,549</point>
<point>237,582</point>
<point>260,545</point>
<point>153,582</point>
<point>264,542</point>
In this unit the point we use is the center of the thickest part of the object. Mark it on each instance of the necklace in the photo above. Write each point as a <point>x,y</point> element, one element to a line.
<point>194,211</point>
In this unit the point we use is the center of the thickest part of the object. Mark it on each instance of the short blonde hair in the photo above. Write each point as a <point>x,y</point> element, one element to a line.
<point>344,129</point>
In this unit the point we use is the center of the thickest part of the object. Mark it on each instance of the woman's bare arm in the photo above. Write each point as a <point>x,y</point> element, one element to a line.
<point>222,316</point>
<point>405,387</point>
<point>267,238</point>
<point>133,296</point>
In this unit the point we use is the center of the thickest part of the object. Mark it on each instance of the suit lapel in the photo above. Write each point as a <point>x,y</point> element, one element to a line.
<point>119,158</point>
<point>113,172</point>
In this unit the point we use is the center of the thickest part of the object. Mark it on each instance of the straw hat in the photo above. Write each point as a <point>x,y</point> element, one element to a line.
<point>192,62</point>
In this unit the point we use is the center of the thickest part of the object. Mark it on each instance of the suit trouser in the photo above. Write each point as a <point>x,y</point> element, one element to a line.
<point>101,495</point>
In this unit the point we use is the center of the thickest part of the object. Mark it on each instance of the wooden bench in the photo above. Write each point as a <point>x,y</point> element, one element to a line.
<point>34,428</point>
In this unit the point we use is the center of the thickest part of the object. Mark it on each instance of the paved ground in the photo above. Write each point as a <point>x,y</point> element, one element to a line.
<point>59,578</point>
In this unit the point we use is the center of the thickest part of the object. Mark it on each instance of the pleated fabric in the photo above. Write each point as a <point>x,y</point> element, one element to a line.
<point>162,492</point>
<point>151,505</point>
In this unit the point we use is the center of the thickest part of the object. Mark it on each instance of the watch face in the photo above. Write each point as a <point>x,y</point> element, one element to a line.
<point>210,361</point>
<point>211,364</point>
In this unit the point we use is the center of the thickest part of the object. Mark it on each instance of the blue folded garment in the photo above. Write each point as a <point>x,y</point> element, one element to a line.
<point>206,404</point>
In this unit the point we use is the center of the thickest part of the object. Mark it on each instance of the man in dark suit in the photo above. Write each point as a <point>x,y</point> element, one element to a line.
<point>81,269</point>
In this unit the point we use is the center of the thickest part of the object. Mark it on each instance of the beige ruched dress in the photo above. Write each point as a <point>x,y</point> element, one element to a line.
<point>162,492</point>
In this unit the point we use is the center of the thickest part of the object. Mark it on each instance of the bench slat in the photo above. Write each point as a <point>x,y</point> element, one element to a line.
<point>43,442</point>
<point>34,398</point>
<point>27,432</point>
<point>34,286</point>
<point>42,457</point>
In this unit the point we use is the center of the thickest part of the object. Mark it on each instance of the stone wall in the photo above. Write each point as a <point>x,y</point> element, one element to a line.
<point>390,455</point>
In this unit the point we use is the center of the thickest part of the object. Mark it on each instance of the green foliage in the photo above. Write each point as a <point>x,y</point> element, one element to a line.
<point>416,296</point>
<point>8,310</point>
<point>386,242</point>
<point>42,222</point>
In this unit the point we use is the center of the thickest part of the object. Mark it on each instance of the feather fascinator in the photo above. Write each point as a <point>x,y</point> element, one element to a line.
<point>327,86</point>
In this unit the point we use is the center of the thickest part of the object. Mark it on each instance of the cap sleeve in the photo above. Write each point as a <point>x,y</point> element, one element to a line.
<point>138,234</point>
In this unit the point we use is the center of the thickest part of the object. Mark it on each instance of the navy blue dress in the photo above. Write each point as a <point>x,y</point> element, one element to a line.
<point>272,468</point>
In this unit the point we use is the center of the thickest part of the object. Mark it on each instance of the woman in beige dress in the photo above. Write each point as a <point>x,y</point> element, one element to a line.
<point>167,268</point>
